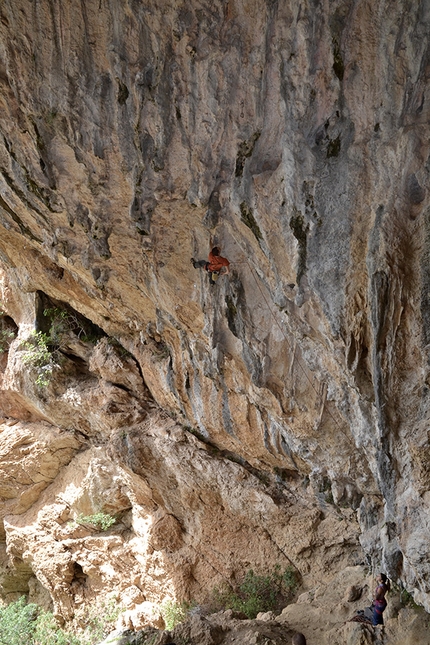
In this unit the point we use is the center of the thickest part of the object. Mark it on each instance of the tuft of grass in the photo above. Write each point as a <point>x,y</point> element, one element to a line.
<point>101,521</point>
<point>174,612</point>
<point>28,624</point>
<point>47,632</point>
<point>93,623</point>
<point>64,322</point>
<point>406,598</point>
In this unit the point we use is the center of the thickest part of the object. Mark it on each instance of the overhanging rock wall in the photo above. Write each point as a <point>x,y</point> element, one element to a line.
<point>294,135</point>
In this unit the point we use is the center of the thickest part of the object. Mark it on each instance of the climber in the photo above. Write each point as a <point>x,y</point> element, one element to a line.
<point>215,266</point>
<point>298,639</point>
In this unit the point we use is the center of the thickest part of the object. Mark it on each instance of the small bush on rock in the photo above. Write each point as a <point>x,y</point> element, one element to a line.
<point>174,612</point>
<point>63,323</point>
<point>101,521</point>
<point>37,354</point>
<point>258,593</point>
<point>92,623</point>
<point>17,623</point>
<point>44,350</point>
<point>28,624</point>
<point>47,632</point>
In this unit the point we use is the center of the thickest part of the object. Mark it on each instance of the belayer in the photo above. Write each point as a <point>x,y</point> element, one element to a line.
<point>373,614</point>
<point>216,265</point>
<point>379,602</point>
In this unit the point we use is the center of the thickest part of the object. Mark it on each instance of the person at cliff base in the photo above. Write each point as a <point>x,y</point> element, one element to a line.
<point>379,602</point>
<point>216,265</point>
<point>373,615</point>
<point>298,639</point>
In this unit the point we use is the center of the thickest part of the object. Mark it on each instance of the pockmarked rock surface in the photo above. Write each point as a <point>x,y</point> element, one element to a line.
<point>279,416</point>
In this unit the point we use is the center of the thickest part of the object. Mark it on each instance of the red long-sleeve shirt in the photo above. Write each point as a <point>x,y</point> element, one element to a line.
<point>216,262</point>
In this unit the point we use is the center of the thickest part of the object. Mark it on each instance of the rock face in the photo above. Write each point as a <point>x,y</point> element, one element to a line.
<point>275,416</point>
<point>322,615</point>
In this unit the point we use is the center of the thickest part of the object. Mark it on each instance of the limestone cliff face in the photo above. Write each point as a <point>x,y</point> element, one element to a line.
<point>235,425</point>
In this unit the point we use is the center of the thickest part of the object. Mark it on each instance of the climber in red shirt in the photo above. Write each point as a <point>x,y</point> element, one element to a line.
<point>216,265</point>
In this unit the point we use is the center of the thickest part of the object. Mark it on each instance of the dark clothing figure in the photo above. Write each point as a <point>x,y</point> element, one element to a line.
<point>379,603</point>
<point>216,265</point>
<point>298,639</point>
<point>200,264</point>
<point>378,609</point>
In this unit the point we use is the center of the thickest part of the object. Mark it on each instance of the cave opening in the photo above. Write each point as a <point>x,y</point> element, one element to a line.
<point>54,317</point>
<point>8,332</point>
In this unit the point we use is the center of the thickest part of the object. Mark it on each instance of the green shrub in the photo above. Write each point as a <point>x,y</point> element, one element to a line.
<point>38,355</point>
<point>47,632</point>
<point>258,593</point>
<point>43,350</point>
<point>60,323</point>
<point>406,598</point>
<point>28,624</point>
<point>100,520</point>
<point>92,623</point>
<point>17,623</point>
<point>64,322</point>
<point>174,612</point>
